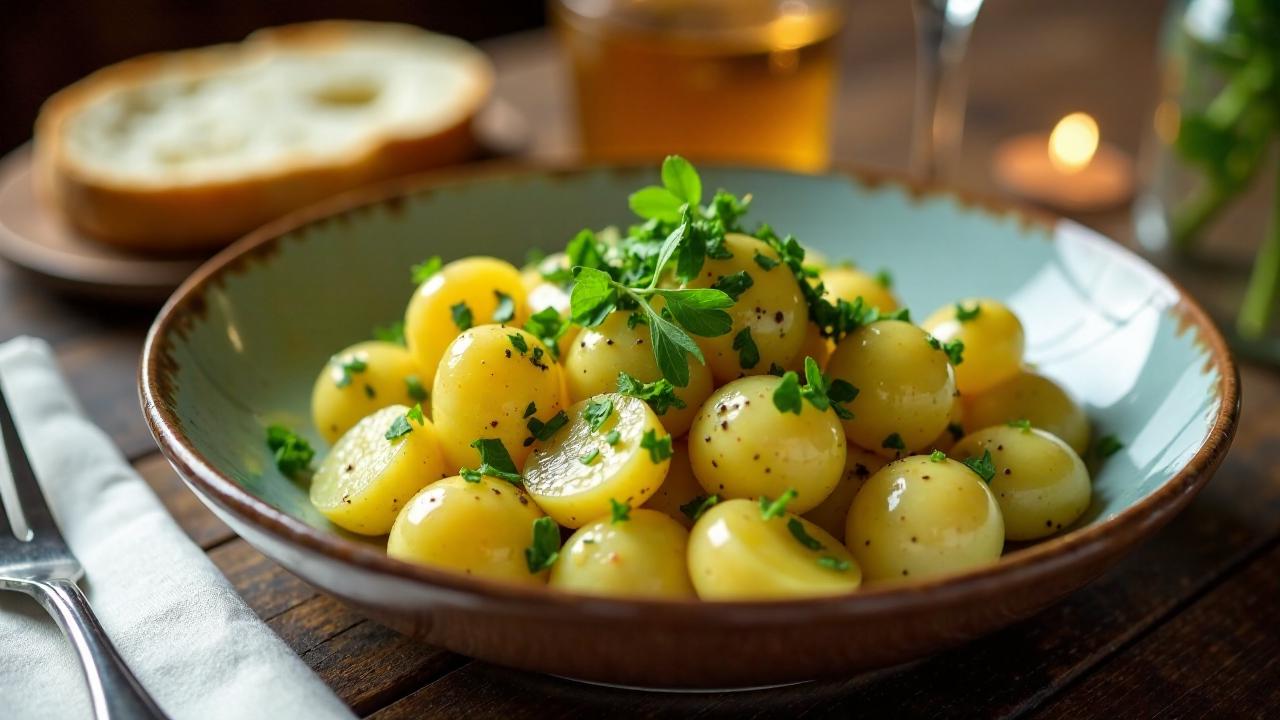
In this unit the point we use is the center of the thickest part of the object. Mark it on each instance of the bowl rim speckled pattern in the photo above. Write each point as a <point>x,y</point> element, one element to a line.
<point>1079,547</point>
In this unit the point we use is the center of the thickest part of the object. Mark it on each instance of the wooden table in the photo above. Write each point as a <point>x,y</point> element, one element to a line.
<point>1185,627</point>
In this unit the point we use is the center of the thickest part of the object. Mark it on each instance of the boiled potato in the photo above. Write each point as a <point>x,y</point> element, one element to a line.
<point>831,514</point>
<point>849,284</point>
<point>578,474</point>
<point>772,309</point>
<point>598,354</point>
<point>1034,397</point>
<point>1041,484</point>
<point>955,427</point>
<point>921,517</point>
<point>366,479</point>
<point>486,387</point>
<point>993,341</point>
<point>365,377</point>
<point>742,446</point>
<point>815,346</point>
<point>477,528</point>
<point>471,285</point>
<point>679,489</point>
<point>737,554</point>
<point>642,556</point>
<point>905,385</point>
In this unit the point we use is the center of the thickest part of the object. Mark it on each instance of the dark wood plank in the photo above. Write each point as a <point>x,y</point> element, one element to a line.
<point>204,528</point>
<point>1216,660</point>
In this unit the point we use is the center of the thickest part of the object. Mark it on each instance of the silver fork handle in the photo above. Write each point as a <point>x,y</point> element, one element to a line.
<point>114,691</point>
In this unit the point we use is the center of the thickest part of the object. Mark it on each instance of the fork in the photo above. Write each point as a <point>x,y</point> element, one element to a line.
<point>35,560</point>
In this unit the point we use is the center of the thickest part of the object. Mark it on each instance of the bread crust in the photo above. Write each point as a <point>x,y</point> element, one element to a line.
<point>198,216</point>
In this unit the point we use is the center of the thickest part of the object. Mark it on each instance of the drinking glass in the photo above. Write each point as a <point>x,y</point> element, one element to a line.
<point>942,39</point>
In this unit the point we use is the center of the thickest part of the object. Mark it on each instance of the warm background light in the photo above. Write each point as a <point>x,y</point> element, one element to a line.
<point>1073,142</point>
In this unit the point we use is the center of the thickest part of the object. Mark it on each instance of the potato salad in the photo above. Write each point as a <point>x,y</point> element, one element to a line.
<point>691,407</point>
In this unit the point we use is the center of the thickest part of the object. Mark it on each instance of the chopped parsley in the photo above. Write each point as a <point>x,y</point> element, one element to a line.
<point>518,342</point>
<point>597,412</point>
<point>937,456</point>
<point>423,271</point>
<point>786,397</point>
<point>292,453</point>
<point>530,409</point>
<point>660,395</point>
<point>369,392</point>
<point>347,369</point>
<point>885,279</point>
<point>413,386</point>
<point>401,426</point>
<point>590,457</point>
<point>547,326</point>
<point>894,442</point>
<point>506,308</point>
<point>821,393</point>
<point>695,508</point>
<point>461,316</point>
<point>543,431</point>
<point>544,550</point>
<point>802,536</point>
<point>393,333</point>
<point>495,461</point>
<point>1023,424</point>
<point>983,466</point>
<point>613,437</point>
<point>954,349</point>
<point>770,509</point>
<point>748,353</point>
<point>659,447</point>
<point>834,563</point>
<point>734,285</point>
<point>766,262</point>
<point>619,511</point>
<point>1107,446</point>
<point>965,314</point>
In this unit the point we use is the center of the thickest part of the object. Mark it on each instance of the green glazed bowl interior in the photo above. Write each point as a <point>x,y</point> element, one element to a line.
<point>238,347</point>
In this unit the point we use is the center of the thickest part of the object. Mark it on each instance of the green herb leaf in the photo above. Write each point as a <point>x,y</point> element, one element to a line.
<point>655,203</point>
<point>733,285</point>
<point>659,447</point>
<point>660,395</point>
<point>530,409</point>
<point>506,309</point>
<point>547,326</point>
<point>894,442</point>
<point>885,279</point>
<point>700,311</point>
<point>965,314</point>
<point>786,397</point>
<point>597,412</point>
<point>413,386</point>
<point>833,563</point>
<point>495,461</point>
<point>292,453</point>
<point>766,262</point>
<point>937,456</point>
<point>584,250</point>
<point>613,437</point>
<point>955,351</point>
<point>770,509</point>
<point>672,347</point>
<point>802,536</point>
<point>1023,424</point>
<point>518,342</point>
<point>423,271</point>
<point>695,508</point>
<point>619,511</point>
<point>543,431</point>
<point>544,550</point>
<point>748,353</point>
<point>681,180</point>
<point>593,297</point>
<point>983,466</point>
<point>471,476</point>
<point>349,368</point>
<point>590,457</point>
<point>461,316</point>
<point>399,428</point>
<point>393,333</point>
<point>415,414</point>
<point>369,392</point>
<point>1107,446</point>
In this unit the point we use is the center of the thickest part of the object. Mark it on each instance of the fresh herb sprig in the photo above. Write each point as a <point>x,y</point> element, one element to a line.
<point>292,453</point>
<point>818,390</point>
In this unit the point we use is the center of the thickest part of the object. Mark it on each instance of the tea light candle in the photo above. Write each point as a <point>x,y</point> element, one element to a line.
<point>1070,169</point>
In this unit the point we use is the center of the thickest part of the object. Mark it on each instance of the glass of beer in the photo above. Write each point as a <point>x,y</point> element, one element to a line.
<point>742,81</point>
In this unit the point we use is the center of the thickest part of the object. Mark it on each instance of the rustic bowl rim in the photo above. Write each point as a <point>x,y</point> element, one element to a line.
<point>1035,563</point>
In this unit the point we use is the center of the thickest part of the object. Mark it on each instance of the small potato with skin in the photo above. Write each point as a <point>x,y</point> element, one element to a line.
<point>365,377</point>
<point>484,388</point>
<point>476,528</point>
<point>1041,484</point>
<point>849,284</point>
<point>598,354</point>
<point>1034,397</point>
<point>742,446</point>
<point>429,324</point>
<point>815,346</point>
<point>366,479</point>
<point>679,488</point>
<point>919,518</point>
<point>574,474</point>
<point>641,557</point>
<point>831,515</point>
<point>993,341</point>
<point>955,427</point>
<point>773,309</point>
<point>905,387</point>
<point>737,554</point>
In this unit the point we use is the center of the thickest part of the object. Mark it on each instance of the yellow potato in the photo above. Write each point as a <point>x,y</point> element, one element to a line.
<point>1034,397</point>
<point>363,378</point>
<point>576,475</point>
<point>736,554</point>
<point>429,324</point>
<point>832,513</point>
<point>905,385</point>
<point>598,354</point>
<point>955,427</point>
<point>816,347</point>
<point>773,309</point>
<point>679,489</point>
<point>742,446</point>
<point>993,342</point>
<point>366,479</point>
<point>849,283</point>
<point>477,528</point>
<point>485,388</point>
<point>641,557</point>
<point>1041,484</point>
<point>919,517</point>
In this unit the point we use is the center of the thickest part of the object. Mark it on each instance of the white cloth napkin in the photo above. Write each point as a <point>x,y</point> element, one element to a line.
<point>184,631</point>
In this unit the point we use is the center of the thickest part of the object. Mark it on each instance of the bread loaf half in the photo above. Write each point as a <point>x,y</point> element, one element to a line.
<point>191,149</point>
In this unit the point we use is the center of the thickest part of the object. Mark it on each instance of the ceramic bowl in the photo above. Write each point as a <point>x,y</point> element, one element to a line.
<point>238,345</point>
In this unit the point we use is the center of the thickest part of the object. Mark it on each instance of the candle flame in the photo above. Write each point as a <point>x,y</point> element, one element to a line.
<point>1073,142</point>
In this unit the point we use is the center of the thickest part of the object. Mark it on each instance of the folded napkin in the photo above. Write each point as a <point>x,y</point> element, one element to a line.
<point>184,631</point>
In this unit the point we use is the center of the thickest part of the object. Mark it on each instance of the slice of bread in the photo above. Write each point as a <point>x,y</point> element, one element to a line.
<point>191,149</point>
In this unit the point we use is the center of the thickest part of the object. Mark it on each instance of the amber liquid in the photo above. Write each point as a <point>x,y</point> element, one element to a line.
<point>758,95</point>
